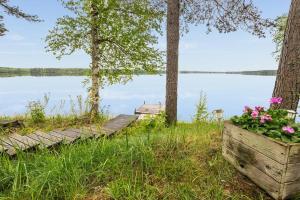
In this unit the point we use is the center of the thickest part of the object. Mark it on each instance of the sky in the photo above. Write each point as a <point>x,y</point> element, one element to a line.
<point>23,46</point>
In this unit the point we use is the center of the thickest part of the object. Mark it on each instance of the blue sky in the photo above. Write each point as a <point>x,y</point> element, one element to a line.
<point>23,45</point>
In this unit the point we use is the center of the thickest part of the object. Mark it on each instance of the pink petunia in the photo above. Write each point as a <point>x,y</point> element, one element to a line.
<point>259,108</point>
<point>288,129</point>
<point>254,114</point>
<point>265,118</point>
<point>275,100</point>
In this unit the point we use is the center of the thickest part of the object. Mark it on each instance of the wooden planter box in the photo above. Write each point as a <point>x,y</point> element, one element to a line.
<point>271,164</point>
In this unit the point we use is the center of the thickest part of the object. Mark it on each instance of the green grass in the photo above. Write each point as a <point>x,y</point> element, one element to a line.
<point>56,122</point>
<point>182,162</point>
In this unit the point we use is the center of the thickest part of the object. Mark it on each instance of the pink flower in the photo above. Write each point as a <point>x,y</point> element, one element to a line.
<point>265,118</point>
<point>288,129</point>
<point>275,100</point>
<point>247,109</point>
<point>254,114</point>
<point>259,108</point>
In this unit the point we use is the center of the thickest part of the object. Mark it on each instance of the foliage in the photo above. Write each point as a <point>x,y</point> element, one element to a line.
<point>36,110</point>
<point>125,35</point>
<point>278,34</point>
<point>182,162</point>
<point>223,15</point>
<point>273,123</point>
<point>15,11</point>
<point>201,112</point>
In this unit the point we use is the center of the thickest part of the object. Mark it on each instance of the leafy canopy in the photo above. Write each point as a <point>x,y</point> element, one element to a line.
<point>126,35</point>
<point>278,35</point>
<point>15,11</point>
<point>223,15</point>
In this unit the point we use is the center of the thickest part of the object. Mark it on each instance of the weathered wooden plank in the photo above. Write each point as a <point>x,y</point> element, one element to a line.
<point>153,109</point>
<point>294,156</point>
<point>118,123</point>
<point>261,179</point>
<point>69,136</point>
<point>43,142</point>
<point>11,123</point>
<point>292,173</point>
<point>273,149</point>
<point>59,134</point>
<point>291,190</point>
<point>84,134</point>
<point>246,155</point>
<point>72,134</point>
<point>56,140</point>
<point>28,142</point>
<point>13,143</point>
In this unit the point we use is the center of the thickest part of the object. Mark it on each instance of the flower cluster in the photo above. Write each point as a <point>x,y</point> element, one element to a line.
<point>275,100</point>
<point>270,122</point>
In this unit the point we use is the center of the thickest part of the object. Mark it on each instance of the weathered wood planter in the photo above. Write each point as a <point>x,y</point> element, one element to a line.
<point>271,164</point>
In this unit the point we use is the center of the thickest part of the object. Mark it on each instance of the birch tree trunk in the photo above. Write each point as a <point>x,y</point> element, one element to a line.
<point>287,83</point>
<point>172,60</point>
<point>95,68</point>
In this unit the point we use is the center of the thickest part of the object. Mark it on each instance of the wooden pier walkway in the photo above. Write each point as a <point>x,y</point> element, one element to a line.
<point>13,143</point>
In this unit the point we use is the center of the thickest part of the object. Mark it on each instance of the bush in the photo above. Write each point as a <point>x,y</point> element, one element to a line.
<point>201,112</point>
<point>273,123</point>
<point>37,112</point>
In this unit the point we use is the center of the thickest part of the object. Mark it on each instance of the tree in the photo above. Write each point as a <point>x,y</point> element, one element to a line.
<point>172,60</point>
<point>14,11</point>
<point>223,15</point>
<point>117,35</point>
<point>287,83</point>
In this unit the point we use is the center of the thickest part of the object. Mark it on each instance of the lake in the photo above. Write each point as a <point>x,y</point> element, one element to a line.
<point>229,92</point>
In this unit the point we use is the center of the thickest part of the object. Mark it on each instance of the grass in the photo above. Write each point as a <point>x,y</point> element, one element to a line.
<point>55,122</point>
<point>182,162</point>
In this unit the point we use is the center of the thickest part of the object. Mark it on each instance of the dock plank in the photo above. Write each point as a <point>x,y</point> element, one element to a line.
<point>68,136</point>
<point>43,142</point>
<point>11,144</point>
<point>55,140</point>
<point>151,109</point>
<point>63,137</point>
<point>118,123</point>
<point>28,142</point>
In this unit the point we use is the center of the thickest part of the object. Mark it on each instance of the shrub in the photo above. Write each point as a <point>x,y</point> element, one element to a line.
<point>273,123</point>
<point>201,112</point>
<point>37,112</point>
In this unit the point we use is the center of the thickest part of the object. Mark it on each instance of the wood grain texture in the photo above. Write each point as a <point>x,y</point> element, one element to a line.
<point>12,143</point>
<point>292,173</point>
<point>118,123</point>
<point>28,142</point>
<point>246,155</point>
<point>291,190</point>
<point>271,148</point>
<point>272,165</point>
<point>294,156</point>
<point>43,141</point>
<point>261,179</point>
<point>152,109</point>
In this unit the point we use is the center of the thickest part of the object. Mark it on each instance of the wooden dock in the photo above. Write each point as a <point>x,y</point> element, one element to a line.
<point>149,110</point>
<point>13,143</point>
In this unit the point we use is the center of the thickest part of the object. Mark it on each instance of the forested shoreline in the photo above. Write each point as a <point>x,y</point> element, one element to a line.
<point>11,71</point>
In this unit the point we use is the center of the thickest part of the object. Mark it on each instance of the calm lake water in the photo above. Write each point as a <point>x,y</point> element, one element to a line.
<point>229,92</point>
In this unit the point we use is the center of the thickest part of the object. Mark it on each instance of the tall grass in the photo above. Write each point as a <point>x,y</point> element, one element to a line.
<point>182,162</point>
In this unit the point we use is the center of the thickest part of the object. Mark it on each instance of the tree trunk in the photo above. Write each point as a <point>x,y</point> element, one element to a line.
<point>287,83</point>
<point>95,68</point>
<point>172,60</point>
